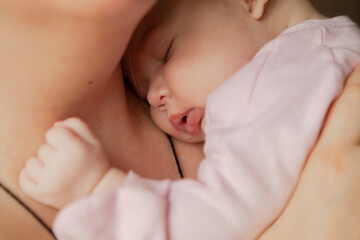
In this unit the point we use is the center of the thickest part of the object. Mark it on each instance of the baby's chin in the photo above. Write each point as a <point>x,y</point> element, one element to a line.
<point>184,137</point>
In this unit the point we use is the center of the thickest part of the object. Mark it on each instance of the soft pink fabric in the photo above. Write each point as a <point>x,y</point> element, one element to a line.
<point>261,125</point>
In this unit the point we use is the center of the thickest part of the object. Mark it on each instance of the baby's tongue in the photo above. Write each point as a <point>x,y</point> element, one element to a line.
<point>192,122</point>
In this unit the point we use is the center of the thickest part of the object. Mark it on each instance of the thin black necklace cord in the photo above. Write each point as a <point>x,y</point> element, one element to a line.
<point>28,209</point>
<point>175,155</point>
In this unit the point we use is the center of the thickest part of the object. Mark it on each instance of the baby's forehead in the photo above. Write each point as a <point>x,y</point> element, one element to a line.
<point>164,12</point>
<point>157,15</point>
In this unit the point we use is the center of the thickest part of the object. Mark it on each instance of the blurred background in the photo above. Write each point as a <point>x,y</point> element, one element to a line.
<point>331,8</point>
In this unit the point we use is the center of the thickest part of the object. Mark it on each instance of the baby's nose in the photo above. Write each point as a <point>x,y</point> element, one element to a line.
<point>158,93</point>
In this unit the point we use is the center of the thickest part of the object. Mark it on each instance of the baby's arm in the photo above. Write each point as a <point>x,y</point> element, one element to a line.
<point>70,165</point>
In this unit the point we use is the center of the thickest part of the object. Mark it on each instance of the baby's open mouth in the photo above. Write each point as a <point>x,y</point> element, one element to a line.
<point>188,122</point>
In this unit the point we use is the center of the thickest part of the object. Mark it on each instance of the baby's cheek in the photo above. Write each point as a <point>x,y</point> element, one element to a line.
<point>186,82</point>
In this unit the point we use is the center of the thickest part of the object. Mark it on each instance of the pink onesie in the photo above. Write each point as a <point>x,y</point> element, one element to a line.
<point>260,126</point>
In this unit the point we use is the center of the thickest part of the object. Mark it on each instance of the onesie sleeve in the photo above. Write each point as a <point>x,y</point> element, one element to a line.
<point>261,125</point>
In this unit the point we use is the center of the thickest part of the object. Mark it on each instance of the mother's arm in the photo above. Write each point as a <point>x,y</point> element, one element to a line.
<point>326,204</point>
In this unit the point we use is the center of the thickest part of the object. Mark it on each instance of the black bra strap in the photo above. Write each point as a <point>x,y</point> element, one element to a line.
<point>175,155</point>
<point>28,209</point>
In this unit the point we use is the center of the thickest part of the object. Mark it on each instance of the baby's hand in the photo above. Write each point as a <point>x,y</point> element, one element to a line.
<point>67,167</point>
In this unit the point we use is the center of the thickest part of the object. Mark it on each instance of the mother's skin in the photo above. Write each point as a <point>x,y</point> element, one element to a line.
<point>59,59</point>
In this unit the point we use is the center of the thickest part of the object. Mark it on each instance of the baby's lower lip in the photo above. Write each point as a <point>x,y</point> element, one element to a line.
<point>177,121</point>
<point>193,122</point>
<point>188,122</point>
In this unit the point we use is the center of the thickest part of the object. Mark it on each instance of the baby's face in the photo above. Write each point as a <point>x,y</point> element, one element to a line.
<point>180,53</point>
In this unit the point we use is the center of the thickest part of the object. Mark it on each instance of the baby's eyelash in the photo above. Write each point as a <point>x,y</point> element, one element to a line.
<point>168,52</point>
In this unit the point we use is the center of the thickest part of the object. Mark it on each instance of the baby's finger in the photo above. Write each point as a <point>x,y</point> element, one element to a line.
<point>60,137</point>
<point>80,128</point>
<point>33,168</point>
<point>27,184</point>
<point>343,124</point>
<point>46,153</point>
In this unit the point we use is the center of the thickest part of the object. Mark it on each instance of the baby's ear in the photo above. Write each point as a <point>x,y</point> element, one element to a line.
<point>257,8</point>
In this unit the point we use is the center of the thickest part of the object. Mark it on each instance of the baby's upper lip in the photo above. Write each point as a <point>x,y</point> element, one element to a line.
<point>188,122</point>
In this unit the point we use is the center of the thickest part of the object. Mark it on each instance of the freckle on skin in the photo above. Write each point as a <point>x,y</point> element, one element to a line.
<point>91,82</point>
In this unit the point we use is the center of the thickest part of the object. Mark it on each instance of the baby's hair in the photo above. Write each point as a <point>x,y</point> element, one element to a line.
<point>128,73</point>
<point>129,78</point>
